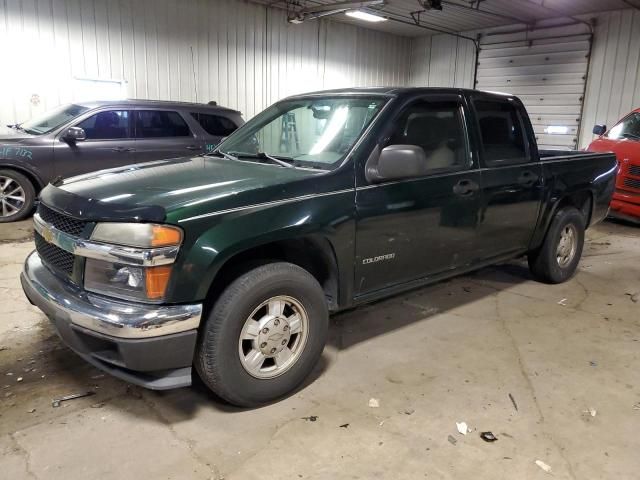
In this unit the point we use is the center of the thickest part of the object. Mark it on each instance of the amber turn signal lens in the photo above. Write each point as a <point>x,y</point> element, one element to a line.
<point>163,236</point>
<point>157,279</point>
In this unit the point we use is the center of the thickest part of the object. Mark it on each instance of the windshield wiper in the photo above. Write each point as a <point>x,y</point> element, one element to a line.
<point>226,155</point>
<point>632,135</point>
<point>282,161</point>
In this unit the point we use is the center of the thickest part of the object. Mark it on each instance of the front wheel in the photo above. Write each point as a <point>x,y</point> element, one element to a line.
<point>557,259</point>
<point>264,335</point>
<point>17,196</point>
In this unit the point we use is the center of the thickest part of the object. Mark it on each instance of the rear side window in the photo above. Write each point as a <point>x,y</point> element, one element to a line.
<point>214,124</point>
<point>502,133</point>
<point>438,128</point>
<point>109,125</point>
<point>160,123</point>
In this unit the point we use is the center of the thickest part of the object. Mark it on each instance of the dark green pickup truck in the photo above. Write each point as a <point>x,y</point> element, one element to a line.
<point>231,262</point>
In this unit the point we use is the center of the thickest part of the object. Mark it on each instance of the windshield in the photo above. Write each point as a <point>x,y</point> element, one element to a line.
<point>314,133</point>
<point>627,128</point>
<point>52,119</point>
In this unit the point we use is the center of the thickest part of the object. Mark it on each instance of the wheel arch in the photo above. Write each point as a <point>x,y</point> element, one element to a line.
<point>314,253</point>
<point>583,200</point>
<point>35,180</point>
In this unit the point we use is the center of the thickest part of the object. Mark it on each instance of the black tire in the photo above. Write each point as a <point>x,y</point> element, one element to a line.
<point>29,196</point>
<point>217,359</point>
<point>544,263</point>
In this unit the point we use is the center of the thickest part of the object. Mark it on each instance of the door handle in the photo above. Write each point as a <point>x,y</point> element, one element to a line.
<point>527,178</point>
<point>122,149</point>
<point>465,188</point>
<point>193,147</point>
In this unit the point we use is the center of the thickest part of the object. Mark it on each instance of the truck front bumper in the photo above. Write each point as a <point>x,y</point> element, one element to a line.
<point>148,345</point>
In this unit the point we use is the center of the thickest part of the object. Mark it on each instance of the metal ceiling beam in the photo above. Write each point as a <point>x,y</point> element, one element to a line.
<point>486,12</point>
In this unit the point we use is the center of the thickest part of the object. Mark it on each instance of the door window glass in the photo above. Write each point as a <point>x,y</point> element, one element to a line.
<point>502,133</point>
<point>214,124</point>
<point>159,123</point>
<point>627,128</point>
<point>438,128</point>
<point>108,125</point>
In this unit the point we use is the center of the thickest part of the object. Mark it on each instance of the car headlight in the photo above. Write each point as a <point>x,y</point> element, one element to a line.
<point>122,280</point>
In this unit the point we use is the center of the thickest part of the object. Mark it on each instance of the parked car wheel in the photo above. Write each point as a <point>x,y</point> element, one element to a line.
<point>16,196</point>
<point>264,335</point>
<point>558,257</point>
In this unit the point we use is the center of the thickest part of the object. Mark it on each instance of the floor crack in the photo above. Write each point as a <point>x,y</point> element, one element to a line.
<point>23,453</point>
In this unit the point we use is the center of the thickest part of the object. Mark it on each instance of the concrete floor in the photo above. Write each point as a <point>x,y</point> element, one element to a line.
<point>456,351</point>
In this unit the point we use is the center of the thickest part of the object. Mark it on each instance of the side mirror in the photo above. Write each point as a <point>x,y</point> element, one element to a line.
<point>74,134</point>
<point>599,129</point>
<point>396,162</point>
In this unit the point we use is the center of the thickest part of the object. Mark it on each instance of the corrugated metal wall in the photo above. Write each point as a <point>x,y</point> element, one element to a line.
<point>613,86</point>
<point>442,61</point>
<point>613,80</point>
<point>244,55</point>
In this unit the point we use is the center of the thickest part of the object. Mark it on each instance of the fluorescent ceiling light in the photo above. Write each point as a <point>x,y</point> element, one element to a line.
<point>367,17</point>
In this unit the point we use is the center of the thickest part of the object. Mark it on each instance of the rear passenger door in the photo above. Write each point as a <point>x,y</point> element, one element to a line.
<point>425,225</point>
<point>512,183</point>
<point>163,134</point>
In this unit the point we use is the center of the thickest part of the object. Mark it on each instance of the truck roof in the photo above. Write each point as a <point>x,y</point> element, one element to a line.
<point>397,91</point>
<point>133,102</point>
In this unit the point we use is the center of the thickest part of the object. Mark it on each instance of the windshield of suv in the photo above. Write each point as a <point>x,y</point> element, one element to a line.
<point>52,119</point>
<point>313,133</point>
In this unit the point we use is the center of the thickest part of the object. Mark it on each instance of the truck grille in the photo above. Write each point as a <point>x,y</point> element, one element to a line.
<point>62,222</point>
<point>634,170</point>
<point>632,183</point>
<point>53,256</point>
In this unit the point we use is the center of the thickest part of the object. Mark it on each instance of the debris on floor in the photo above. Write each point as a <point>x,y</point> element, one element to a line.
<point>19,379</point>
<point>592,363</point>
<point>513,401</point>
<point>592,412</point>
<point>310,418</point>
<point>563,302</point>
<point>344,425</point>
<point>57,401</point>
<point>374,403</point>
<point>635,297</point>
<point>463,428</point>
<point>409,411</point>
<point>636,406</point>
<point>488,437</point>
<point>97,405</point>
<point>452,440</point>
<point>543,466</point>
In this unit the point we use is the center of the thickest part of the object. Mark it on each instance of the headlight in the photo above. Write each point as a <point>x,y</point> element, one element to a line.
<point>126,281</point>
<point>143,235</point>
<point>131,281</point>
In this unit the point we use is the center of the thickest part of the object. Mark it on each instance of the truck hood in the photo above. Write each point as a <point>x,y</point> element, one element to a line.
<point>187,185</point>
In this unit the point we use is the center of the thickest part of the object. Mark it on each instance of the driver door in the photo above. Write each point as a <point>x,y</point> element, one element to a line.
<point>109,144</point>
<point>414,228</point>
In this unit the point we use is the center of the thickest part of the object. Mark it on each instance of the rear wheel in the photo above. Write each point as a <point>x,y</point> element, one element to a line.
<point>557,259</point>
<point>264,335</point>
<point>16,196</point>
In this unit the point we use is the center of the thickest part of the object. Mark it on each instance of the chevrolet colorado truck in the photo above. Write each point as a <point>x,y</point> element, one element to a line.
<point>231,262</point>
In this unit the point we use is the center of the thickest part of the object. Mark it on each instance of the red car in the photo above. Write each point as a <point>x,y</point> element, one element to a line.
<point>624,140</point>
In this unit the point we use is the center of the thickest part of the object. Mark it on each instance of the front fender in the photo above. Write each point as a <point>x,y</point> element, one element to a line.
<point>212,242</point>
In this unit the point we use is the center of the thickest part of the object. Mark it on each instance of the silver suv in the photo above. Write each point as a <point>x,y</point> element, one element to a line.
<point>84,137</point>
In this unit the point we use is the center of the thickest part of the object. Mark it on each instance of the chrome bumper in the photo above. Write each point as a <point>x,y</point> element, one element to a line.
<point>102,315</point>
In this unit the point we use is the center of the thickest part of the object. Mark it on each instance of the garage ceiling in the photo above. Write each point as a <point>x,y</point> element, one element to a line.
<point>464,15</point>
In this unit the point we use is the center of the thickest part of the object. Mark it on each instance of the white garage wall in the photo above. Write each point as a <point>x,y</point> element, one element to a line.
<point>442,61</point>
<point>245,56</point>
<point>613,85</point>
